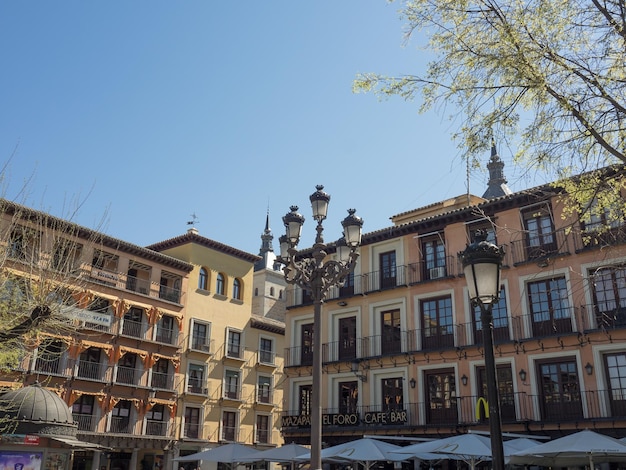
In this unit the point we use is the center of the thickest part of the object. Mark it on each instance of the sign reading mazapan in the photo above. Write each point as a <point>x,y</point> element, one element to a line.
<point>392,417</point>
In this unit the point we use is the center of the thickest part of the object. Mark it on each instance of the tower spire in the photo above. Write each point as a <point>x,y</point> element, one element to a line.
<point>496,186</point>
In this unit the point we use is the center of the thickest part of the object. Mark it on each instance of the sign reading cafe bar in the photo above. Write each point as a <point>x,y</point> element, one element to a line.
<point>349,419</point>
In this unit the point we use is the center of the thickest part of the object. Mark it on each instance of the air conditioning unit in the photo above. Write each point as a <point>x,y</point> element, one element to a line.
<point>436,273</point>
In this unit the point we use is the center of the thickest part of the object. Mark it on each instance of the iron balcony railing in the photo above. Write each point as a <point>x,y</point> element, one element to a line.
<point>541,247</point>
<point>85,422</point>
<point>156,428</point>
<point>567,320</point>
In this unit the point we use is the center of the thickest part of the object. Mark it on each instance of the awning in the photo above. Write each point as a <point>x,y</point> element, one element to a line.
<point>76,444</point>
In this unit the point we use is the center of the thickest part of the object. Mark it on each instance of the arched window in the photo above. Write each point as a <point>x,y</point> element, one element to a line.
<point>271,292</point>
<point>256,291</point>
<point>280,294</point>
<point>237,289</point>
<point>219,284</point>
<point>203,279</point>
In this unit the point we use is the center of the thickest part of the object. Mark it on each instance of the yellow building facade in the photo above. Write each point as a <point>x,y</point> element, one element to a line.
<point>231,364</point>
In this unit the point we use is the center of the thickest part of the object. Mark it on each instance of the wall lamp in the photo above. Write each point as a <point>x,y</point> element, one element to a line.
<point>342,303</point>
<point>589,368</point>
<point>412,383</point>
<point>522,375</point>
<point>354,368</point>
<point>464,380</point>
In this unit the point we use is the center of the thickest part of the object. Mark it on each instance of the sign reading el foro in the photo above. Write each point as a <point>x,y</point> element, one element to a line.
<point>349,419</point>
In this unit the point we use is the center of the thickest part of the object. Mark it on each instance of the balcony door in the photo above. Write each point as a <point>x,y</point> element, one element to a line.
<point>347,338</point>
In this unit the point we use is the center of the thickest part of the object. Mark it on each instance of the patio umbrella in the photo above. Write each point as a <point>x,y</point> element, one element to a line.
<point>228,453</point>
<point>578,449</point>
<point>288,453</point>
<point>469,448</point>
<point>365,451</point>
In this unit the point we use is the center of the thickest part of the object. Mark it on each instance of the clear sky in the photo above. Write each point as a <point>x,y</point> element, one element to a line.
<point>149,111</point>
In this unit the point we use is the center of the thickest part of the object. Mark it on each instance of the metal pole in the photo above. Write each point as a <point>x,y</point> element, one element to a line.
<point>495,424</point>
<point>316,394</point>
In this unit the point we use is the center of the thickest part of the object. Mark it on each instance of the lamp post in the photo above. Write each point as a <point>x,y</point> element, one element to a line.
<point>318,275</point>
<point>482,261</point>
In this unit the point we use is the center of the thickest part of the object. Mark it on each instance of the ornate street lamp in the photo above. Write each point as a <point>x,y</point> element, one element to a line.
<point>318,275</point>
<point>482,261</point>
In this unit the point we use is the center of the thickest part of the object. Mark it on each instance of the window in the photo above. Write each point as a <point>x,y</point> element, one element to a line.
<point>434,253</point>
<point>437,323</point>
<point>600,216</point>
<point>387,262</point>
<point>237,289</point>
<point>304,402</point>
<point>549,307</point>
<point>391,335</point>
<point>306,338</point>
<point>348,397</point>
<point>229,426</point>
<point>392,393</point>
<point>234,344</point>
<point>49,355</point>
<point>609,294</point>
<point>66,255</point>
<point>231,384</point>
<point>262,429</point>
<point>120,417</point>
<point>160,374</point>
<point>266,351</point>
<point>272,291</point>
<point>540,239</point>
<point>156,424</point>
<point>24,244</point>
<point>203,279</point>
<point>264,389</point>
<point>200,334</point>
<point>83,413</point>
<point>504,379</point>
<point>133,322</point>
<point>482,226</point>
<point>219,284</point>
<point>126,369</point>
<point>560,390</point>
<point>347,338</point>
<point>89,364</point>
<point>441,397</point>
<point>192,423</point>
<point>195,379</point>
<point>615,365</point>
<point>500,321</point>
<point>165,332</point>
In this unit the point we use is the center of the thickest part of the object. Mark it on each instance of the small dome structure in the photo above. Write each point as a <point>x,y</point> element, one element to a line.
<point>37,410</point>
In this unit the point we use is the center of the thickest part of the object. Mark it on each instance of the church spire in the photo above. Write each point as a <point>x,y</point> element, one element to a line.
<point>496,186</point>
<point>268,260</point>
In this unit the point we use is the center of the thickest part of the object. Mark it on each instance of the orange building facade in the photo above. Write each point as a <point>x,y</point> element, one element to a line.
<point>402,345</point>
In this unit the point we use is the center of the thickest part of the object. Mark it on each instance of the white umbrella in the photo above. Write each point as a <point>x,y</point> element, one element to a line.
<point>578,449</point>
<point>365,451</point>
<point>469,448</point>
<point>228,453</point>
<point>288,453</point>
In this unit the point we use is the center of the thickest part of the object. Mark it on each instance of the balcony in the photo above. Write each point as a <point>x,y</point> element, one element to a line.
<point>192,431</point>
<point>89,370</point>
<point>375,281</point>
<point>126,375</point>
<point>267,358</point>
<point>264,396</point>
<point>169,293</point>
<point>162,380</point>
<point>553,244</point>
<point>597,239</point>
<point>120,425</point>
<point>165,335</point>
<point>583,408</point>
<point>133,328</point>
<point>156,428</point>
<point>86,423</point>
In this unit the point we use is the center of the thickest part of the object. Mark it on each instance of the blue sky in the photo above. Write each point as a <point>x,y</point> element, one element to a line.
<point>149,111</point>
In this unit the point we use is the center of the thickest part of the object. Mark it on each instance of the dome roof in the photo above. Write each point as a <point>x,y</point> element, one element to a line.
<point>37,410</point>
